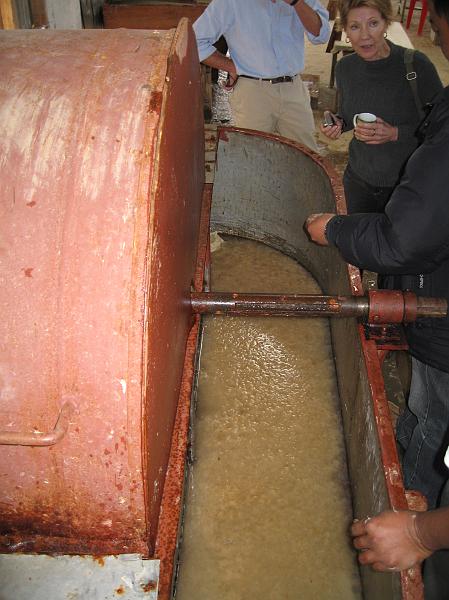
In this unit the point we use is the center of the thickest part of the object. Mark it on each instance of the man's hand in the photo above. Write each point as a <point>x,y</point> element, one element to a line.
<point>309,18</point>
<point>389,542</point>
<point>315,226</point>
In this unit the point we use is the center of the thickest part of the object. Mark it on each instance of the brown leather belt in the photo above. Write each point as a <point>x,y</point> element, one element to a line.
<point>282,79</point>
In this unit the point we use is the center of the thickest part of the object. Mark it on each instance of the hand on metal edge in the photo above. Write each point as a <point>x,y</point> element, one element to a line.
<point>389,541</point>
<point>315,227</point>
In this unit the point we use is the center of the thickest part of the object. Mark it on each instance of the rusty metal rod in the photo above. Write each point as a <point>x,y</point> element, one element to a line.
<point>38,438</point>
<point>283,305</point>
<point>383,306</point>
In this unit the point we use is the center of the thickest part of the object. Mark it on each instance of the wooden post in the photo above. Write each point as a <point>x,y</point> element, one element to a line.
<point>39,14</point>
<point>7,14</point>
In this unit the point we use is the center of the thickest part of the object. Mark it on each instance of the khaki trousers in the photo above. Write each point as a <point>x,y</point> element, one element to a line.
<point>282,108</point>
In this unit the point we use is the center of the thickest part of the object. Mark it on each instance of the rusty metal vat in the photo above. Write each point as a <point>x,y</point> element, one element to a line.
<point>104,233</point>
<point>98,252</point>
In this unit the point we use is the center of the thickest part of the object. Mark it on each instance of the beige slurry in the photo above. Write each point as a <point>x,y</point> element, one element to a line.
<point>268,505</point>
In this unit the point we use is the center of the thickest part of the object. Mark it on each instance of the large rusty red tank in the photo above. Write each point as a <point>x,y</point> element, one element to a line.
<point>100,205</point>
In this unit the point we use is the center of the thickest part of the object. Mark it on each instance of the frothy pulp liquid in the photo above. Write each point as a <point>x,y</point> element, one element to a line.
<point>268,505</point>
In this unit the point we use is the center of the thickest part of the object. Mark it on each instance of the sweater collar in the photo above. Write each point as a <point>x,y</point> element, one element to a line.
<point>381,63</point>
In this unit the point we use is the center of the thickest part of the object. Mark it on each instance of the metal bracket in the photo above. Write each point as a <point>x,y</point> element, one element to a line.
<point>386,337</point>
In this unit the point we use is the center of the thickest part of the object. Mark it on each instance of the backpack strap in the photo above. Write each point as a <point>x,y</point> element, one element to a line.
<point>411,77</point>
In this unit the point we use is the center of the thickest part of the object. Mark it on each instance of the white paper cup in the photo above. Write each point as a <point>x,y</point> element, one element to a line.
<point>364,118</point>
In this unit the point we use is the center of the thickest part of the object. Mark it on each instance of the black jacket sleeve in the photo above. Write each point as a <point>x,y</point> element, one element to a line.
<point>413,235</point>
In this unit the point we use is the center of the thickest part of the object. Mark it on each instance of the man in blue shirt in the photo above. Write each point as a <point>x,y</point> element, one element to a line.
<point>266,47</point>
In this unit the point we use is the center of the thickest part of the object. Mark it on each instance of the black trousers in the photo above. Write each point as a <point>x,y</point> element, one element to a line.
<point>361,197</point>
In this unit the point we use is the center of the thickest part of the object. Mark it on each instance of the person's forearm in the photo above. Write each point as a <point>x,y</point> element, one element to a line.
<point>217,60</point>
<point>309,18</point>
<point>432,528</point>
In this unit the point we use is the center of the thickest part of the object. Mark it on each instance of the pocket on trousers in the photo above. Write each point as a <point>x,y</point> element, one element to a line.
<point>235,96</point>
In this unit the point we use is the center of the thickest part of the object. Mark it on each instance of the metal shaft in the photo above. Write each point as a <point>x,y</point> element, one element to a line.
<point>383,306</point>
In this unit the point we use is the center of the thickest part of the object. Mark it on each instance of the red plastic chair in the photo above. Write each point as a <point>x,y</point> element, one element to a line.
<point>422,18</point>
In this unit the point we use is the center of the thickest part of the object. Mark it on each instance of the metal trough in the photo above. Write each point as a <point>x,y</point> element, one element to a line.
<point>104,234</point>
<point>264,189</point>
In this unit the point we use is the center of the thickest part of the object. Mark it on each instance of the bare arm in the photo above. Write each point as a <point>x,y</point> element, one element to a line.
<point>433,528</point>
<point>217,60</point>
<point>309,18</point>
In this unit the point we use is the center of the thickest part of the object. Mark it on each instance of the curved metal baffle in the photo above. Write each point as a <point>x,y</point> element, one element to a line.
<point>378,307</point>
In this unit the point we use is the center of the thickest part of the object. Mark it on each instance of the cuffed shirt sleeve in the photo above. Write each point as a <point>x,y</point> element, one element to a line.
<point>212,24</point>
<point>324,33</point>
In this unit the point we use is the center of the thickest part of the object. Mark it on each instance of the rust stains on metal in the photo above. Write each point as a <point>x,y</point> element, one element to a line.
<point>177,191</point>
<point>150,586</point>
<point>155,104</point>
<point>283,305</point>
<point>384,307</point>
<point>171,506</point>
<point>394,306</point>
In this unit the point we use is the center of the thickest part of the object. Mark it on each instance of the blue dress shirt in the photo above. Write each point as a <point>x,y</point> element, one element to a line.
<point>265,39</point>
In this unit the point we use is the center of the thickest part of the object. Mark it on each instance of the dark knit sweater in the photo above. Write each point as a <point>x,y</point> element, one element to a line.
<point>380,87</point>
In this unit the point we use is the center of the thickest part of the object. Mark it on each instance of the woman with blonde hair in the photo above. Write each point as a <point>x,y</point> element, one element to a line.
<point>376,79</point>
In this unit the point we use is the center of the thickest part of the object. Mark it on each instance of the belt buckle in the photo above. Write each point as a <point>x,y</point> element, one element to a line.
<point>282,79</point>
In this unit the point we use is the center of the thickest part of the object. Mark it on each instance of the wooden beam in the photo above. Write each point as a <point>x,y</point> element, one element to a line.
<point>8,14</point>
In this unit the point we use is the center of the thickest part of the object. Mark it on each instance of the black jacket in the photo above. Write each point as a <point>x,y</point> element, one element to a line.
<point>410,242</point>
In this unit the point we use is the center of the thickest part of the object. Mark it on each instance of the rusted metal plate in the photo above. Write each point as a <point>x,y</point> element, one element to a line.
<point>41,577</point>
<point>100,205</point>
<point>172,501</point>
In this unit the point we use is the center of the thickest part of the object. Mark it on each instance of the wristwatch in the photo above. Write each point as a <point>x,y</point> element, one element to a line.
<point>294,2</point>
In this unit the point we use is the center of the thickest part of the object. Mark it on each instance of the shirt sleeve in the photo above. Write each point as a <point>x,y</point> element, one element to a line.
<point>212,24</point>
<point>412,236</point>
